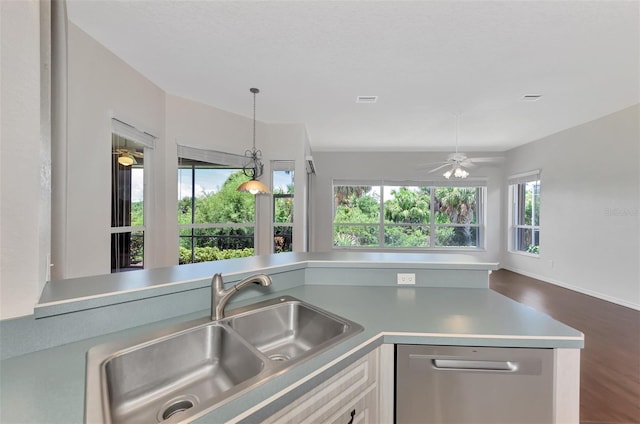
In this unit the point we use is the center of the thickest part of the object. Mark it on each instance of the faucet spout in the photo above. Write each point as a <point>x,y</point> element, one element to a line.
<point>220,296</point>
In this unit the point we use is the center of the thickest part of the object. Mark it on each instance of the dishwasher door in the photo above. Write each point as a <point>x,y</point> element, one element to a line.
<point>458,384</point>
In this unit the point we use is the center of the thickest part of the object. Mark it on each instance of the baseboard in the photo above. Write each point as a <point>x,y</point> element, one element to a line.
<point>597,295</point>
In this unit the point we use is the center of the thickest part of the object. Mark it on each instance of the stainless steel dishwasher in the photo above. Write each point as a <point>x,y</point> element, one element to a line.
<point>458,384</point>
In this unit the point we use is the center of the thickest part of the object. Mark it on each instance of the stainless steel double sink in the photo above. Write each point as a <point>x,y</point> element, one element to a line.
<point>182,372</point>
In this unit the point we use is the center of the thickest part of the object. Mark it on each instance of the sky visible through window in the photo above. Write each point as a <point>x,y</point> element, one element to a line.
<point>208,182</point>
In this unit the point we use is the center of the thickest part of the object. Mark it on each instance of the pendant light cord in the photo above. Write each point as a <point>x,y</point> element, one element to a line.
<point>254,91</point>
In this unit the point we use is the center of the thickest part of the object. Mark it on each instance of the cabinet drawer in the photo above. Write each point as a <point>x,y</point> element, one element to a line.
<point>333,400</point>
<point>361,411</point>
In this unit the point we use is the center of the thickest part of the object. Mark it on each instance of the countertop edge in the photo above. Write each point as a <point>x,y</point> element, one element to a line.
<point>67,296</point>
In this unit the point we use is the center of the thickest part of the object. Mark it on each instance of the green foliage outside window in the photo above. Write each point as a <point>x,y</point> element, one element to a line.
<point>407,216</point>
<point>226,206</point>
<point>283,193</point>
<point>526,217</point>
<point>208,253</point>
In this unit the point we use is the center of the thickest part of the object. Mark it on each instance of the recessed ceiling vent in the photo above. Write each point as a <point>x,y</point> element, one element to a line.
<point>366,99</point>
<point>531,97</point>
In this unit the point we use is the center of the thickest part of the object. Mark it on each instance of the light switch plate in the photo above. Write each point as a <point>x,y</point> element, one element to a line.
<point>404,278</point>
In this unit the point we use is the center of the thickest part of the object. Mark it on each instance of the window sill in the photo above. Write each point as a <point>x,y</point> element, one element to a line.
<point>527,254</point>
<point>409,249</point>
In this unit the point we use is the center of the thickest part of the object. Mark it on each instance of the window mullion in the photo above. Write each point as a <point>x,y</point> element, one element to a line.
<point>381,221</point>
<point>432,216</point>
<point>193,213</point>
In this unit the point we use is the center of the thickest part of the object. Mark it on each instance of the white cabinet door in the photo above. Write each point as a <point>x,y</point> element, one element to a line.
<point>351,396</point>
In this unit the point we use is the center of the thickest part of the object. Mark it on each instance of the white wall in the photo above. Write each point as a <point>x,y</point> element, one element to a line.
<point>590,186</point>
<point>393,166</point>
<point>590,230</point>
<point>198,125</point>
<point>102,86</point>
<point>23,258</point>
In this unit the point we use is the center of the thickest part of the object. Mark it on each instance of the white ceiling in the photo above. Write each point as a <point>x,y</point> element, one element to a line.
<point>426,60</point>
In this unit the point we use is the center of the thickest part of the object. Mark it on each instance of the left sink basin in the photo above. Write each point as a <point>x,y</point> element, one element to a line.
<point>153,382</point>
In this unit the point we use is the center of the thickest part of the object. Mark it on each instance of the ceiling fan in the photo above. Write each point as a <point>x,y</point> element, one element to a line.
<point>457,163</point>
<point>127,157</point>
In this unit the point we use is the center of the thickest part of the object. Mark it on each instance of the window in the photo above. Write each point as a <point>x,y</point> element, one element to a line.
<point>525,212</point>
<point>356,216</point>
<point>407,216</point>
<point>282,189</point>
<point>129,147</point>
<point>215,221</point>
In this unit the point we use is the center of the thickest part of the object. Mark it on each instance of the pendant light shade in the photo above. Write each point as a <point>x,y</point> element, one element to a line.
<point>254,166</point>
<point>253,187</point>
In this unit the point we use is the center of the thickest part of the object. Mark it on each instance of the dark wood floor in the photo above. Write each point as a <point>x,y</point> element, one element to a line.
<point>610,361</point>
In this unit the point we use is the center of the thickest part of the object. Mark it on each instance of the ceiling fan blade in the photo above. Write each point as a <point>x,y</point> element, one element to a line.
<point>439,167</point>
<point>430,164</point>
<point>490,159</point>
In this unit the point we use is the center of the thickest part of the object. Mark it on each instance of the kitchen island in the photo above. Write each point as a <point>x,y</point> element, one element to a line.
<point>47,385</point>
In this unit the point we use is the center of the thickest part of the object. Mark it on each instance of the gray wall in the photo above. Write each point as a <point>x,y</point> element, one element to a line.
<point>590,187</point>
<point>394,166</point>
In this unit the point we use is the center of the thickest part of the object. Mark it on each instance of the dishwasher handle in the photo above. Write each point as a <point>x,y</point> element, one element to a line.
<point>464,364</point>
<point>467,364</point>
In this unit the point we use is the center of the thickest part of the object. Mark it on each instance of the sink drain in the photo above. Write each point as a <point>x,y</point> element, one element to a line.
<point>279,357</point>
<point>175,406</point>
<point>173,409</point>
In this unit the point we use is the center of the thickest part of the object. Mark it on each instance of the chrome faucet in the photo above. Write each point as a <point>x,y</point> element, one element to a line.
<point>220,296</point>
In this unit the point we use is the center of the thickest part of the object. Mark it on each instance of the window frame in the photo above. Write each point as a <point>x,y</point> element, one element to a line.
<point>282,166</point>
<point>233,162</point>
<point>516,185</point>
<point>145,140</point>
<point>479,184</point>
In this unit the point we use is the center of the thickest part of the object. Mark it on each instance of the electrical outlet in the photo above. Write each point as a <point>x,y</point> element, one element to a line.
<point>406,278</point>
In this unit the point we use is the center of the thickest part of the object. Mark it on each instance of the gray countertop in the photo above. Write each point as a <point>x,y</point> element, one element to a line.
<point>48,386</point>
<point>103,289</point>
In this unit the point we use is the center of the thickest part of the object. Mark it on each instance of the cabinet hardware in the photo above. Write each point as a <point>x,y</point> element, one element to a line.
<point>353,414</point>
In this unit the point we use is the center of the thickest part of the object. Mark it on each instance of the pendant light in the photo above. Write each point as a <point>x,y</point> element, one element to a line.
<point>254,166</point>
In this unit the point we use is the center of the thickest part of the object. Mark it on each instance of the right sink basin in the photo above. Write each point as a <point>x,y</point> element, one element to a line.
<point>289,329</point>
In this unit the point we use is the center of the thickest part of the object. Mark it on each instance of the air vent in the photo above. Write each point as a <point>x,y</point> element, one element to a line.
<point>531,97</point>
<point>311,166</point>
<point>366,99</point>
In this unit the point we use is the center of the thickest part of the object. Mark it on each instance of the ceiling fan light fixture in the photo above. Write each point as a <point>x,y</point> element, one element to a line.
<point>254,166</point>
<point>126,160</point>
<point>447,174</point>
<point>460,173</point>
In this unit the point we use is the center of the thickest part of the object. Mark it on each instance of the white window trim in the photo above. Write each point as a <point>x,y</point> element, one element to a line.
<point>478,183</point>
<point>130,132</point>
<point>281,165</point>
<point>147,140</point>
<point>118,230</point>
<point>512,181</point>
<point>222,159</point>
<point>213,157</point>
<point>524,177</point>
